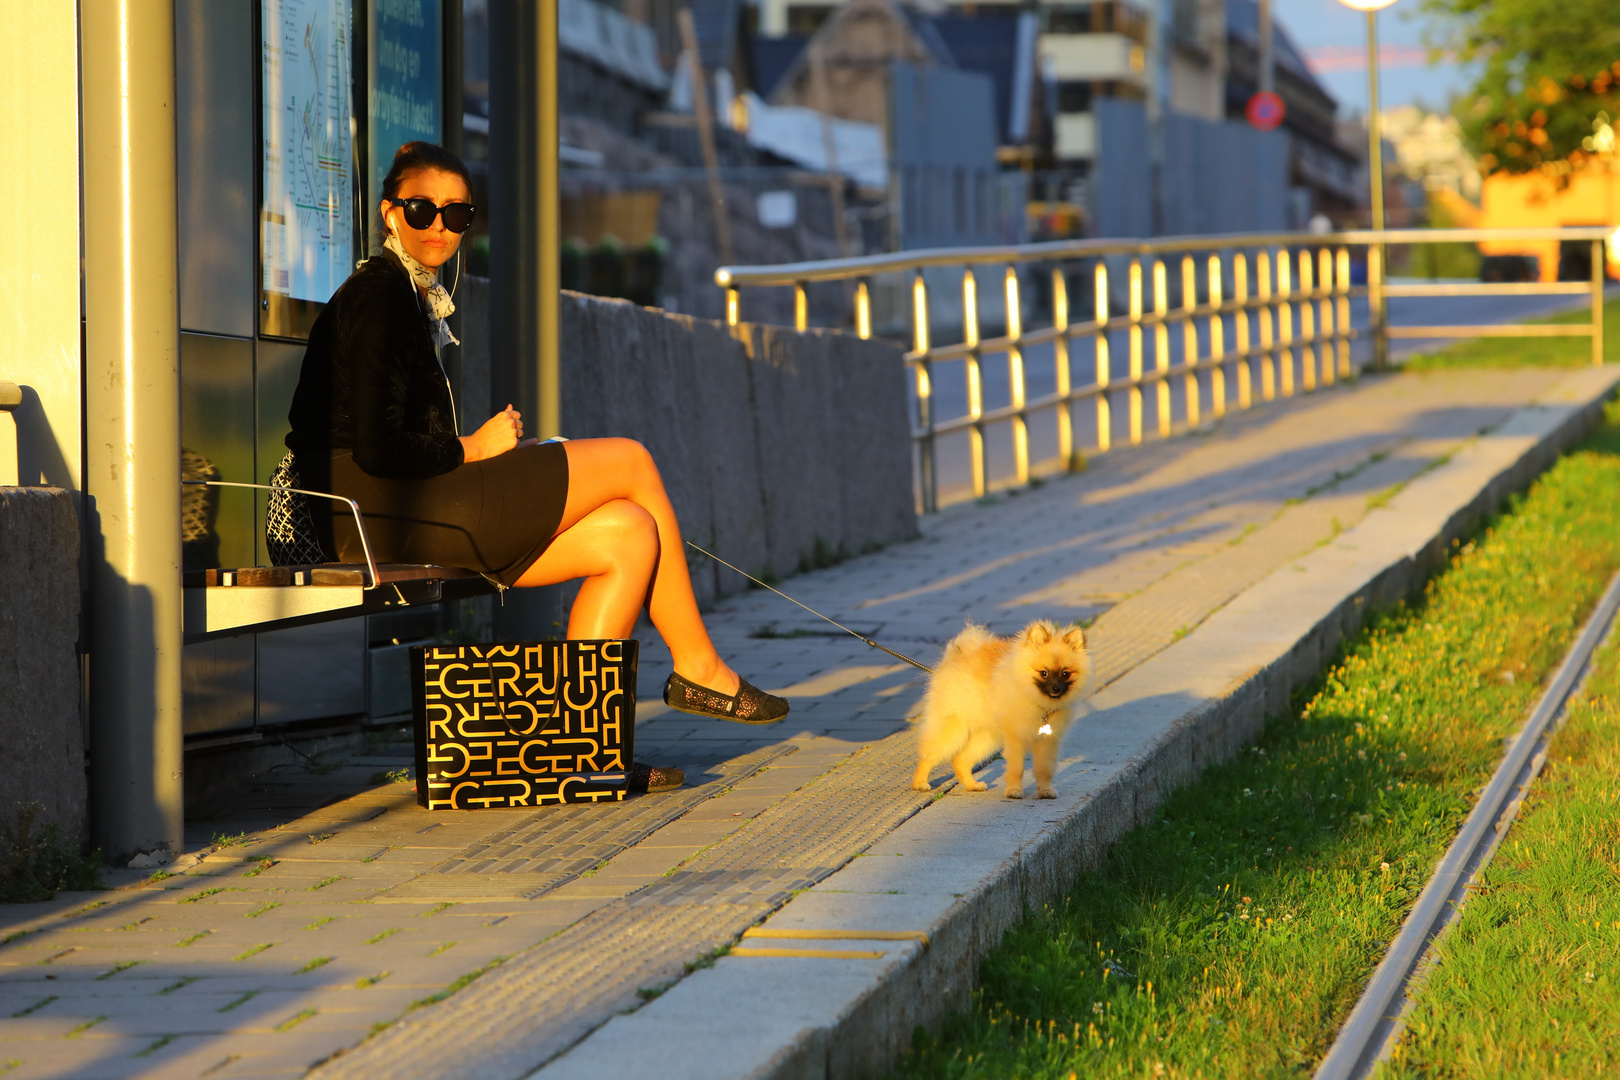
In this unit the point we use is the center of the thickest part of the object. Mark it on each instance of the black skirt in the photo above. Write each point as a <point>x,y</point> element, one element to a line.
<point>494,516</point>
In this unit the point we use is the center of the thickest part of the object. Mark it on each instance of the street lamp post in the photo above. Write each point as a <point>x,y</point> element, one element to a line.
<point>1375,176</point>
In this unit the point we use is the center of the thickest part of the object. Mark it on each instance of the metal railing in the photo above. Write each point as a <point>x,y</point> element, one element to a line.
<point>1282,327</point>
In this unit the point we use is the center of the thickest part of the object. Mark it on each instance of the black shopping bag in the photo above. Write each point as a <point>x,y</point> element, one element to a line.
<point>523,724</point>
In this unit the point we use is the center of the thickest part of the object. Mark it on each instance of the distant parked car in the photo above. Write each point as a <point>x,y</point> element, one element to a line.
<point>1509,268</point>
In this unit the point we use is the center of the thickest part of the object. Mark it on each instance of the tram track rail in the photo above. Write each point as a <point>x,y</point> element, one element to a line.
<point>1375,1024</point>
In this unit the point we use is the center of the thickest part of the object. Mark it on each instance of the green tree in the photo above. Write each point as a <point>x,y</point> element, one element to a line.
<point>1548,93</point>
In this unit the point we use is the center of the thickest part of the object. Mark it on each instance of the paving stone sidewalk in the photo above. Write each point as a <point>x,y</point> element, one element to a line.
<point>333,923</point>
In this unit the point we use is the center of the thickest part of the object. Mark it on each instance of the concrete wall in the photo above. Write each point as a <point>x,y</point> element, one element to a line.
<point>770,441</point>
<point>39,150</point>
<point>39,669</point>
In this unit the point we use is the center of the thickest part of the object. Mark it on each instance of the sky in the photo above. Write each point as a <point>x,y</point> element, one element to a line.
<point>1335,39</point>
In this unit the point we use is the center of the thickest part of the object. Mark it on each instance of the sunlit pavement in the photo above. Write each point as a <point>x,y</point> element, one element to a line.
<point>279,953</point>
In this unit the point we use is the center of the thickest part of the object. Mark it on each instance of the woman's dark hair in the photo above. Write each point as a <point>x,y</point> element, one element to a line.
<point>413,158</point>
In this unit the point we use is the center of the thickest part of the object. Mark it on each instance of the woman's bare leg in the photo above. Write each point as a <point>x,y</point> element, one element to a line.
<point>605,472</point>
<point>615,549</point>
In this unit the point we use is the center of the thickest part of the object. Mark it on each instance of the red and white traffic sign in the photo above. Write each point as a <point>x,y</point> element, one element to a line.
<point>1266,110</point>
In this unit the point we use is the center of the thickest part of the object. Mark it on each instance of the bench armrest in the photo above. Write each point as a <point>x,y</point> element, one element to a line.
<point>354,508</point>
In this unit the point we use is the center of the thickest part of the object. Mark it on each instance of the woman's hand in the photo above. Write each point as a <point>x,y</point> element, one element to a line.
<point>500,433</point>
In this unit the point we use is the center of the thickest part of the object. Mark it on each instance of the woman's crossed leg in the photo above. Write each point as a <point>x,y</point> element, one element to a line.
<point>619,533</point>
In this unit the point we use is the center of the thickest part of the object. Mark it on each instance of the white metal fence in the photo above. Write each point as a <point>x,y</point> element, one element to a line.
<point>1227,321</point>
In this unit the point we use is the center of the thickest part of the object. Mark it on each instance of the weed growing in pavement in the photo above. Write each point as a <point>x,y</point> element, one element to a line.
<point>769,632</point>
<point>706,960</point>
<point>293,1021</point>
<point>35,1007</point>
<point>36,862</point>
<point>116,969</point>
<point>822,555</point>
<point>459,985</point>
<point>1526,981</point>
<point>162,1041</point>
<point>1249,913</point>
<point>390,776</point>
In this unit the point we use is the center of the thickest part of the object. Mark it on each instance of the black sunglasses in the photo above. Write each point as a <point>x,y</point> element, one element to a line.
<point>419,214</point>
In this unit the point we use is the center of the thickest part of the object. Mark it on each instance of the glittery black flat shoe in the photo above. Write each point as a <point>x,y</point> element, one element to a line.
<point>750,705</point>
<point>651,779</point>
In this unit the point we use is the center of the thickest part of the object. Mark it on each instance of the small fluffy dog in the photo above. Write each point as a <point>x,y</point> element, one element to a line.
<point>1016,694</point>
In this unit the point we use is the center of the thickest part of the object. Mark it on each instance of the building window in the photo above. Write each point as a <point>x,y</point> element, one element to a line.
<point>807,18</point>
<point>1069,19</point>
<point>1073,97</point>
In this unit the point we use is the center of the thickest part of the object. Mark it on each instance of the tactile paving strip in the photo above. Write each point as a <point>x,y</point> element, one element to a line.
<point>543,1001</point>
<point>558,844</point>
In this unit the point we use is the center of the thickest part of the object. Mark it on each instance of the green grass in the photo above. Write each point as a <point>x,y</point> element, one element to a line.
<point>1528,352</point>
<point>37,861</point>
<point>1231,935</point>
<point>293,1021</point>
<point>1526,983</point>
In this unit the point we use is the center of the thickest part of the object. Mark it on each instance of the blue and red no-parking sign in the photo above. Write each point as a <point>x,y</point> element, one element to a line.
<point>1265,110</point>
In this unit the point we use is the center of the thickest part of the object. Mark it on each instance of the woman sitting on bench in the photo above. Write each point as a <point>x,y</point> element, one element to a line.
<point>373,420</point>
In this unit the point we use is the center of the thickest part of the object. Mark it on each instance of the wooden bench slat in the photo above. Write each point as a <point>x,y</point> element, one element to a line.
<point>321,574</point>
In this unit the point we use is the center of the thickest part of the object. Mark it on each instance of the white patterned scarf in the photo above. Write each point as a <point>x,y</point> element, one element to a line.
<point>438,297</point>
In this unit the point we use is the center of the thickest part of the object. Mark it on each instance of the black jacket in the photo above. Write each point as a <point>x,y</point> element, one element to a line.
<point>371,383</point>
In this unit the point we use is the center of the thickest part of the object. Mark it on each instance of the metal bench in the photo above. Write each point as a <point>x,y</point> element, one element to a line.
<point>222,602</point>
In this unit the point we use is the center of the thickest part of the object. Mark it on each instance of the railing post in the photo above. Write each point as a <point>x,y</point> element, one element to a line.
<point>863,310</point>
<point>1285,323</point>
<point>1189,340</point>
<point>1161,347</point>
<point>801,307</point>
<point>1375,306</point>
<point>1217,338</point>
<point>1240,325</point>
<point>733,306</point>
<point>924,368</point>
<point>1268,338</point>
<point>1105,417</point>
<point>1324,279</point>
<point>1597,302</point>
<point>929,480</point>
<point>1307,322</point>
<point>1060,362</point>
<point>1015,377</point>
<point>975,378</point>
<point>1136,350</point>
<point>1342,288</point>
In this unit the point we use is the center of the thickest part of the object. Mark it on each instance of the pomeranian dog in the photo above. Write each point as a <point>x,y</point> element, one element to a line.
<point>1016,694</point>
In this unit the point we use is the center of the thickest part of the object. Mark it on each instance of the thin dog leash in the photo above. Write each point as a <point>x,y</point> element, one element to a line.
<point>811,610</point>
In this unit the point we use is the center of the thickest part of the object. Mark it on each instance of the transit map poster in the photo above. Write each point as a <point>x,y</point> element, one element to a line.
<point>404,82</point>
<point>308,214</point>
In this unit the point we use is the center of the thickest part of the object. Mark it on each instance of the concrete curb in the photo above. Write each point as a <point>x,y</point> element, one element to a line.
<point>965,869</point>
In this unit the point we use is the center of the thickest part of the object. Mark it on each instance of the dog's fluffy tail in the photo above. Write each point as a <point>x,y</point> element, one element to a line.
<point>973,636</point>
